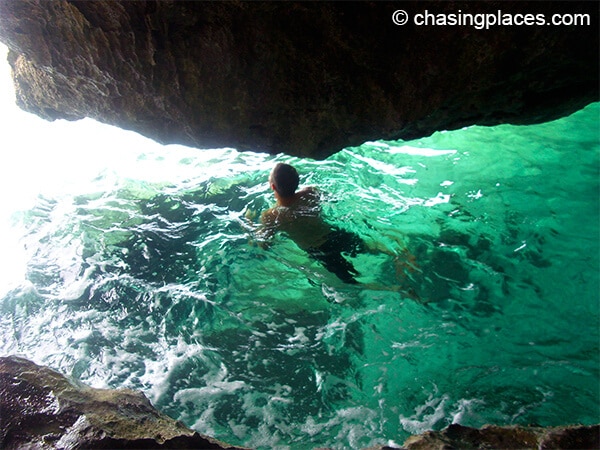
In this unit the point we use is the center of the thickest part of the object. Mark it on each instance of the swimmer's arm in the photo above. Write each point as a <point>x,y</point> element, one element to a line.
<point>267,228</point>
<point>250,215</point>
<point>375,247</point>
<point>403,258</point>
<point>259,234</point>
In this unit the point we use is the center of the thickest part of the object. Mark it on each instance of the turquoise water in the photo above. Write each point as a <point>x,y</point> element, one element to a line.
<point>143,274</point>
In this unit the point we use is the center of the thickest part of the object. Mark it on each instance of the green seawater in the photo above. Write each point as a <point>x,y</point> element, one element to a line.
<point>482,307</point>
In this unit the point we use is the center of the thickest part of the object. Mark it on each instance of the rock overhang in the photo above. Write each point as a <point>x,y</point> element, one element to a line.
<point>306,79</point>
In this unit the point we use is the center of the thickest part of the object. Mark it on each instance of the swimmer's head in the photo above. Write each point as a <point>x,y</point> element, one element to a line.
<point>284,179</point>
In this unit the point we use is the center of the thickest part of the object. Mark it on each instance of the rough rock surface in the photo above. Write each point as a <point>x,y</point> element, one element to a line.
<point>304,78</point>
<point>514,437</point>
<point>40,408</point>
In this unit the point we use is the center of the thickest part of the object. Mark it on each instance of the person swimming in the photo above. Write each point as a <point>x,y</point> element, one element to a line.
<point>298,214</point>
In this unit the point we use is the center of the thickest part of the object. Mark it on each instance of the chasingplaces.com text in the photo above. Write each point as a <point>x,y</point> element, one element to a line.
<point>485,21</point>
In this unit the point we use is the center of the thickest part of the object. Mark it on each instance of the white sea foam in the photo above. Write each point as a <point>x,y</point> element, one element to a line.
<point>168,358</point>
<point>427,416</point>
<point>204,395</point>
<point>438,411</point>
<point>419,151</point>
<point>353,427</point>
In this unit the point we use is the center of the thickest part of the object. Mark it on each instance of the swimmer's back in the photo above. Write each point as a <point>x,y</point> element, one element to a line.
<point>300,218</point>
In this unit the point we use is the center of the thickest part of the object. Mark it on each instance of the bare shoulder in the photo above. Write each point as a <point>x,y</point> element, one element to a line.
<point>309,190</point>
<point>309,195</point>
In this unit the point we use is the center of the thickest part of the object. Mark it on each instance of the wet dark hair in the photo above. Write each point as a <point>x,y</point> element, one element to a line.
<point>285,178</point>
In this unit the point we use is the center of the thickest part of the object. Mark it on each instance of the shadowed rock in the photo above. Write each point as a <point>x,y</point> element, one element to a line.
<point>40,408</point>
<point>511,437</point>
<point>304,78</point>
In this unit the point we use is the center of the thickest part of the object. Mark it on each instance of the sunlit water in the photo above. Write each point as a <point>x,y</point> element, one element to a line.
<point>139,270</point>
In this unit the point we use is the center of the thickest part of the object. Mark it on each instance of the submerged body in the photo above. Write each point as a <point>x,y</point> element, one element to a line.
<point>299,215</point>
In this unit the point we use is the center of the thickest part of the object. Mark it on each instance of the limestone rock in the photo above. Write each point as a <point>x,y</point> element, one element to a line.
<point>304,78</point>
<point>510,437</point>
<point>41,409</point>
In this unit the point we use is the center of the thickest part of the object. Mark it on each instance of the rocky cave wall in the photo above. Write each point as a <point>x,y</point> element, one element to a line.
<point>303,78</point>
